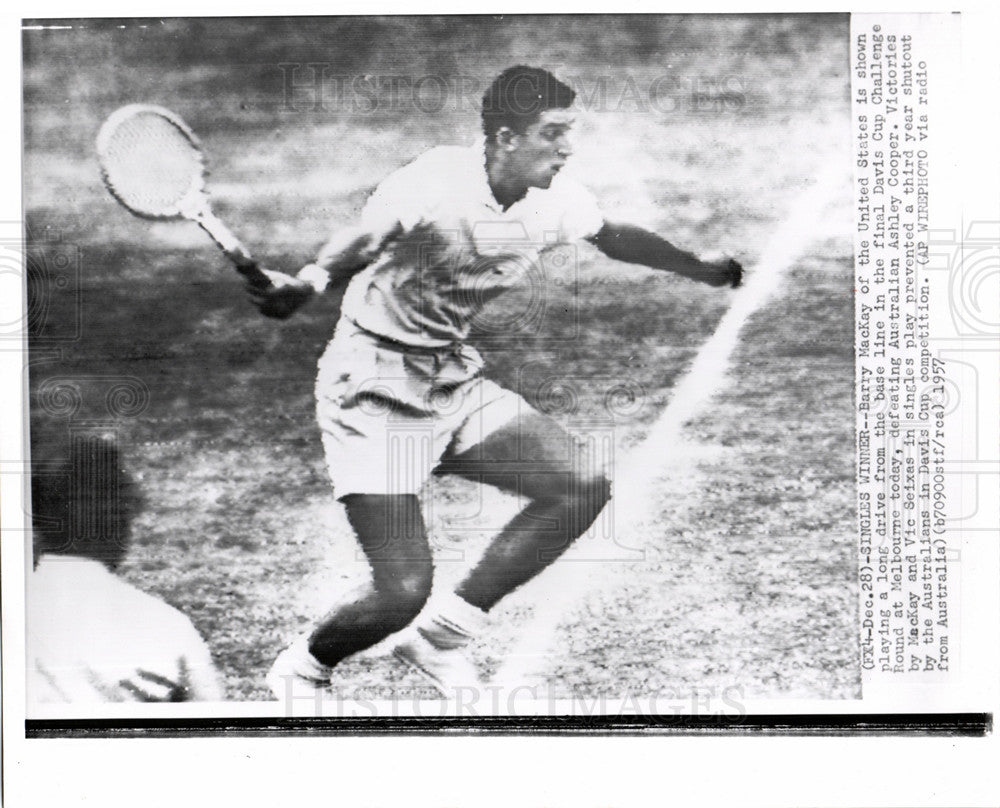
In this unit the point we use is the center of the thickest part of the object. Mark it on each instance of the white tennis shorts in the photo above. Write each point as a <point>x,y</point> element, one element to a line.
<point>389,412</point>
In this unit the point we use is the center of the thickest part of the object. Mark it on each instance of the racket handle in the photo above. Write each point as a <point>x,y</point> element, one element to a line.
<point>233,248</point>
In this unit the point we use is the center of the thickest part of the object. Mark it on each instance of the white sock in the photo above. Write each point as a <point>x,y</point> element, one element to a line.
<point>450,622</point>
<point>304,664</point>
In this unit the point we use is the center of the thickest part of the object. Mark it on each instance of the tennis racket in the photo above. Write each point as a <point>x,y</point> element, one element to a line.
<point>152,163</point>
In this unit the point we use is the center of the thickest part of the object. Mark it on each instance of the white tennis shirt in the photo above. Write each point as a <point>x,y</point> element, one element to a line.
<point>92,637</point>
<point>458,248</point>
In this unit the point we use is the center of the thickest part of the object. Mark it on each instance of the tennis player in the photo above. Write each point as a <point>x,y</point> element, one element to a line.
<point>400,395</point>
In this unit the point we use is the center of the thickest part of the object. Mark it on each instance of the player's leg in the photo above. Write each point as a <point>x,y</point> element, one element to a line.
<point>521,451</point>
<point>378,444</point>
<point>564,489</point>
<point>390,530</point>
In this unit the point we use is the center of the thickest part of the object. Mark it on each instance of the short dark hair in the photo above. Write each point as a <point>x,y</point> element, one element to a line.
<point>82,504</point>
<point>519,95</point>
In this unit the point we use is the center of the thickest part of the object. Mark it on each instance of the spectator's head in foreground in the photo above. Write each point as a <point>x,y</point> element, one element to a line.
<point>81,505</point>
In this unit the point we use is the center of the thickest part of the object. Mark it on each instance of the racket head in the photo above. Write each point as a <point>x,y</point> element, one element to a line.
<point>152,162</point>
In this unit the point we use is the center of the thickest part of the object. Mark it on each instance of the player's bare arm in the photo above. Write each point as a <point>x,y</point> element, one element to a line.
<point>347,252</point>
<point>636,245</point>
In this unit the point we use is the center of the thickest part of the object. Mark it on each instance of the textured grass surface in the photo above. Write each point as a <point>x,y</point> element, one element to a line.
<point>748,579</point>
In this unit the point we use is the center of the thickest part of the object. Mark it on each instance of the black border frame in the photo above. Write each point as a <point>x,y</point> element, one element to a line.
<point>812,724</point>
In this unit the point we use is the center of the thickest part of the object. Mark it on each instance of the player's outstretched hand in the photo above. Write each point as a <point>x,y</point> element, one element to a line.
<point>282,297</point>
<point>727,272</point>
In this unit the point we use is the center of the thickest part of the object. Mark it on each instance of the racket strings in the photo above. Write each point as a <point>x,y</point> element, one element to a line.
<point>151,164</point>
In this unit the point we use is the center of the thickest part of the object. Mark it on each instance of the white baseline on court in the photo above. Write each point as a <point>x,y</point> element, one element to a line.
<point>645,467</point>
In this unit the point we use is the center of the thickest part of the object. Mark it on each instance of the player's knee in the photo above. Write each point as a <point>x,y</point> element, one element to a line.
<point>586,492</point>
<point>591,493</point>
<point>404,595</point>
<point>602,488</point>
<point>413,589</point>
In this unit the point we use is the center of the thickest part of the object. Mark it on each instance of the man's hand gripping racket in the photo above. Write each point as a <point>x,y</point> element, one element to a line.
<point>152,163</point>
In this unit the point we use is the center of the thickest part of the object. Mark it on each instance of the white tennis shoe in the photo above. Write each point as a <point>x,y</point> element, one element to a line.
<point>296,674</point>
<point>449,670</point>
